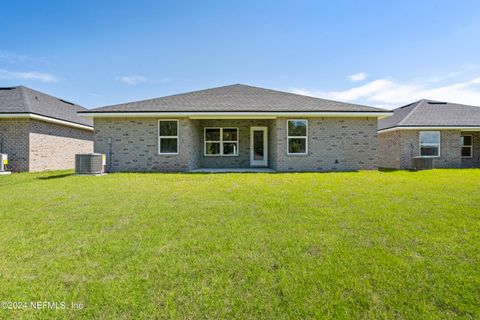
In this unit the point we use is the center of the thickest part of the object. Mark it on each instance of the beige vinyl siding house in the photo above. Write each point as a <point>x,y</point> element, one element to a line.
<point>448,133</point>
<point>39,132</point>
<point>237,126</point>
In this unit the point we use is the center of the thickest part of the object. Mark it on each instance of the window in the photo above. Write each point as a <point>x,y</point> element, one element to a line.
<point>221,141</point>
<point>168,136</point>
<point>297,136</point>
<point>467,146</point>
<point>429,143</point>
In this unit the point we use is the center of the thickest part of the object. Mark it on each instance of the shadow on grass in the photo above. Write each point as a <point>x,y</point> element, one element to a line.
<point>387,170</point>
<point>58,176</point>
<point>228,172</point>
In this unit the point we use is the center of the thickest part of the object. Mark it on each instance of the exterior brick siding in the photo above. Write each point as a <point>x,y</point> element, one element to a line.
<point>342,144</point>
<point>54,146</point>
<point>34,145</point>
<point>398,148</point>
<point>134,145</point>
<point>389,150</point>
<point>15,142</point>
<point>334,144</point>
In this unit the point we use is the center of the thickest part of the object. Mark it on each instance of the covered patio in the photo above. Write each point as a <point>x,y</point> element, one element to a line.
<point>226,144</point>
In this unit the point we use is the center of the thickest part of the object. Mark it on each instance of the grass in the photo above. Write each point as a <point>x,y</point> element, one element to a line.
<point>365,245</point>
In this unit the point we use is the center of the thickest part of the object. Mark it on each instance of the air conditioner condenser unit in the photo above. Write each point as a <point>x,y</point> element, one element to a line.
<point>90,164</point>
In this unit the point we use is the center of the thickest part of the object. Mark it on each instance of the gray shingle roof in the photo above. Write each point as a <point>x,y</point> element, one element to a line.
<point>434,114</point>
<point>25,100</point>
<point>237,98</point>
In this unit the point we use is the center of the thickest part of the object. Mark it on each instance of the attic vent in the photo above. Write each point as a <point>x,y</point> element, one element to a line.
<point>67,102</point>
<point>408,105</point>
<point>435,102</point>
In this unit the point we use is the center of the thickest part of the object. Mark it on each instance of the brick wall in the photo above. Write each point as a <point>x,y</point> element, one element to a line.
<point>14,135</point>
<point>53,146</point>
<point>272,145</point>
<point>389,150</point>
<point>450,156</point>
<point>34,145</point>
<point>341,144</point>
<point>134,145</point>
<point>334,144</point>
<point>397,149</point>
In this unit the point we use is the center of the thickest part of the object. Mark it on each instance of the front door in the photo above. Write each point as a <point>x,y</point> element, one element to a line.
<point>258,147</point>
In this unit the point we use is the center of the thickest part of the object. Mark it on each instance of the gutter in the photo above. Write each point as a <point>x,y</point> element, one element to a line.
<point>463,128</point>
<point>233,115</point>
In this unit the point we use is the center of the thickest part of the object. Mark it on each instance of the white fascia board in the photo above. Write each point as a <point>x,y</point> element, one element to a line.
<point>430,128</point>
<point>43,118</point>
<point>234,115</point>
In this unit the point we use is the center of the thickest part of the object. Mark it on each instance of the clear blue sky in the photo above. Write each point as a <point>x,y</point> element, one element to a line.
<point>104,52</point>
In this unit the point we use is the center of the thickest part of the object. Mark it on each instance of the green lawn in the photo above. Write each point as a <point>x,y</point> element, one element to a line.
<point>362,245</point>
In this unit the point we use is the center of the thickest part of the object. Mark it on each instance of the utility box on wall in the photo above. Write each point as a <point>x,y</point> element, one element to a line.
<point>3,163</point>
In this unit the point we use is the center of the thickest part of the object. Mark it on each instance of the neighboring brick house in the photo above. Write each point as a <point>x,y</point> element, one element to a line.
<point>447,132</point>
<point>40,132</point>
<point>237,126</point>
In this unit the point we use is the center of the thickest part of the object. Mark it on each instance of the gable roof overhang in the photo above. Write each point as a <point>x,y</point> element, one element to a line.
<point>26,115</point>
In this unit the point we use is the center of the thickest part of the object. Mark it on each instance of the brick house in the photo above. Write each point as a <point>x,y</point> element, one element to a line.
<point>40,132</point>
<point>234,127</point>
<point>447,132</point>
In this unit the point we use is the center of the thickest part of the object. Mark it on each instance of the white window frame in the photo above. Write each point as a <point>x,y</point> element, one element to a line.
<point>168,137</point>
<point>221,142</point>
<point>430,144</point>
<point>297,137</point>
<point>468,146</point>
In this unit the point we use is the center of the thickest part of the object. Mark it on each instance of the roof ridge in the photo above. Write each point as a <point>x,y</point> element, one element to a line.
<point>417,104</point>
<point>24,98</point>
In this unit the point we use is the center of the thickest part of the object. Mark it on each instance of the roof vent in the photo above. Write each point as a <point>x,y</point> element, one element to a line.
<point>436,102</point>
<point>408,105</point>
<point>67,102</point>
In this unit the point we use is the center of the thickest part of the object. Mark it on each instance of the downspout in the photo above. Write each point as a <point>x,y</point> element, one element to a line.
<point>411,156</point>
<point>109,141</point>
